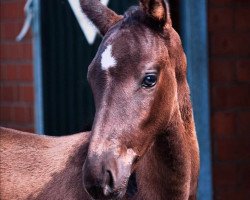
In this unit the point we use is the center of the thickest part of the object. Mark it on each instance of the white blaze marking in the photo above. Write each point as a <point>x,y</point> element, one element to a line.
<point>108,60</point>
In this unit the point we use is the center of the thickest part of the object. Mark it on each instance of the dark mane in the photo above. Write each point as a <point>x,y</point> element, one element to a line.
<point>136,16</point>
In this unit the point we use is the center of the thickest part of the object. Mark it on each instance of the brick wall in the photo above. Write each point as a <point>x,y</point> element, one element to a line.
<point>229,40</point>
<point>16,75</point>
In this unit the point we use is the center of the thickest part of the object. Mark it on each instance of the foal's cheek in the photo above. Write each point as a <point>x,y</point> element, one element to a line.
<point>156,116</point>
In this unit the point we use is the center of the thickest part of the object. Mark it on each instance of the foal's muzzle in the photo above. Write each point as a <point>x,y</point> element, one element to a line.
<point>102,190</point>
<point>106,177</point>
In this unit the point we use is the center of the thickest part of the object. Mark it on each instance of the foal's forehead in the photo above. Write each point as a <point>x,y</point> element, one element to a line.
<point>127,40</point>
<point>124,46</point>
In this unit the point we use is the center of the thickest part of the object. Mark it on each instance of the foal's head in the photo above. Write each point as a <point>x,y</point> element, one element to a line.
<point>133,79</point>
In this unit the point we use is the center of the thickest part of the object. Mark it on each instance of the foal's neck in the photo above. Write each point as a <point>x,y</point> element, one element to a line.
<point>164,172</point>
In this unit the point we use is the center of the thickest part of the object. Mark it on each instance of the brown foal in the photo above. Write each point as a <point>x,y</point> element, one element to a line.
<point>143,124</point>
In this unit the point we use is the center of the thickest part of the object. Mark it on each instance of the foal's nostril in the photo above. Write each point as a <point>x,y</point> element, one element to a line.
<point>109,179</point>
<point>104,190</point>
<point>95,191</point>
<point>108,183</point>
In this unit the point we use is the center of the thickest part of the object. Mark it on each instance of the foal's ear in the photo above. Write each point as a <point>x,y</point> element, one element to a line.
<point>101,16</point>
<point>157,10</point>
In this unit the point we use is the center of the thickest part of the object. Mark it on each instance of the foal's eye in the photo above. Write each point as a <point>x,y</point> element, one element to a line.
<point>149,80</point>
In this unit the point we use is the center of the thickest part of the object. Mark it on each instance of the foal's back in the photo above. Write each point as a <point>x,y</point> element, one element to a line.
<point>41,167</point>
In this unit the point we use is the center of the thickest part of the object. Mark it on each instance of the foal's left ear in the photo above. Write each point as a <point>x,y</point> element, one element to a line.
<point>158,10</point>
<point>101,16</point>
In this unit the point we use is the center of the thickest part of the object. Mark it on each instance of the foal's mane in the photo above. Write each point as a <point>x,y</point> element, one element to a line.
<point>136,16</point>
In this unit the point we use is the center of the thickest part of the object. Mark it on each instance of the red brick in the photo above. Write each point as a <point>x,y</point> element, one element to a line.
<point>243,172</point>
<point>11,73</point>
<point>243,125</point>
<point>227,3</point>
<point>221,2</point>
<point>15,78</point>
<point>233,149</point>
<point>26,93</point>
<point>8,93</point>
<point>242,18</point>
<point>224,124</point>
<point>22,114</point>
<point>16,51</point>
<point>223,44</point>
<point>6,113</point>
<point>9,30</point>
<point>11,10</point>
<point>231,97</point>
<point>25,73</point>
<point>2,72</point>
<point>30,129</point>
<point>243,70</point>
<point>19,126</point>
<point>232,193</point>
<point>230,44</point>
<point>19,72</point>
<point>220,18</point>
<point>222,71</point>
<point>243,44</point>
<point>242,3</point>
<point>225,175</point>
<point>32,113</point>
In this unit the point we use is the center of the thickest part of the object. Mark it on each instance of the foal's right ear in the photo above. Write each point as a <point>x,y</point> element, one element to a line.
<point>101,16</point>
<point>158,10</point>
